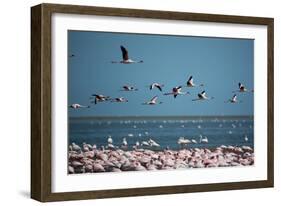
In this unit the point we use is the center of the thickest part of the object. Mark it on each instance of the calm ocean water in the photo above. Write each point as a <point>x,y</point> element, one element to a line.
<point>166,132</point>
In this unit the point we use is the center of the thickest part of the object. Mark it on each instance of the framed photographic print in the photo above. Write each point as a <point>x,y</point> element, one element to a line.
<point>130,102</point>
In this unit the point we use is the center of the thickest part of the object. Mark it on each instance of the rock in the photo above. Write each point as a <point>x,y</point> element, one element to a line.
<point>144,160</point>
<point>102,156</point>
<point>114,169</point>
<point>247,149</point>
<point>98,168</point>
<point>79,170</point>
<point>139,167</point>
<point>76,164</point>
<point>71,170</point>
<point>90,154</point>
<point>169,163</point>
<point>88,168</point>
<point>151,167</point>
<point>91,159</point>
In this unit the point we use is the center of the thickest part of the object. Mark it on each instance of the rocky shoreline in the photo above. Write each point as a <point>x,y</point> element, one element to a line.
<point>90,159</point>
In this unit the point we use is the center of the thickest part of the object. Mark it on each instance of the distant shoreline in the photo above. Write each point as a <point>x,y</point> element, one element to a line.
<point>236,117</point>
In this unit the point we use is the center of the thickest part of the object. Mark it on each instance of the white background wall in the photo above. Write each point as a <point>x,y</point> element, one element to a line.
<point>15,101</point>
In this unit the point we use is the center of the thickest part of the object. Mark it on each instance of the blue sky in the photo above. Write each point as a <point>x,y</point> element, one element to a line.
<point>219,63</point>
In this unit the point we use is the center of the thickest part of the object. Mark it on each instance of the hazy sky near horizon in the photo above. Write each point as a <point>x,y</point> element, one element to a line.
<point>219,63</point>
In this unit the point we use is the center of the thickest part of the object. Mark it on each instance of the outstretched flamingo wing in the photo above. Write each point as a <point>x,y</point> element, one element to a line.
<point>241,86</point>
<point>159,87</point>
<point>125,55</point>
<point>190,80</point>
<point>234,98</point>
<point>154,99</point>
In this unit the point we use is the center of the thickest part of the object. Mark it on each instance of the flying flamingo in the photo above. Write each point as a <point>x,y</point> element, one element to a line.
<point>99,98</point>
<point>129,88</point>
<point>190,83</point>
<point>242,88</point>
<point>157,85</point>
<point>233,100</point>
<point>176,91</point>
<point>125,57</point>
<point>119,99</point>
<point>202,96</point>
<point>77,106</point>
<point>153,101</point>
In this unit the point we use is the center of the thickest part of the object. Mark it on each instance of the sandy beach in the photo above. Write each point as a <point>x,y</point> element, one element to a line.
<point>89,159</point>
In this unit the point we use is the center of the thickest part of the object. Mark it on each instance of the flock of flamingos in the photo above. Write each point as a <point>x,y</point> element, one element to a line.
<point>174,91</point>
<point>88,158</point>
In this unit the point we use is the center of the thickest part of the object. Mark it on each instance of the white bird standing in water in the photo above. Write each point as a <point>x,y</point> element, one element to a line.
<point>136,146</point>
<point>77,106</point>
<point>183,141</point>
<point>246,138</point>
<point>202,96</point>
<point>203,140</point>
<point>233,100</point>
<point>194,141</point>
<point>190,83</point>
<point>156,85</point>
<point>110,143</point>
<point>109,140</point>
<point>125,57</point>
<point>152,143</point>
<point>177,91</point>
<point>124,143</point>
<point>153,101</point>
<point>144,143</point>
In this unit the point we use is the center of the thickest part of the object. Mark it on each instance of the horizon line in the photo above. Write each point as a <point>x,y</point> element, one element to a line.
<point>158,117</point>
